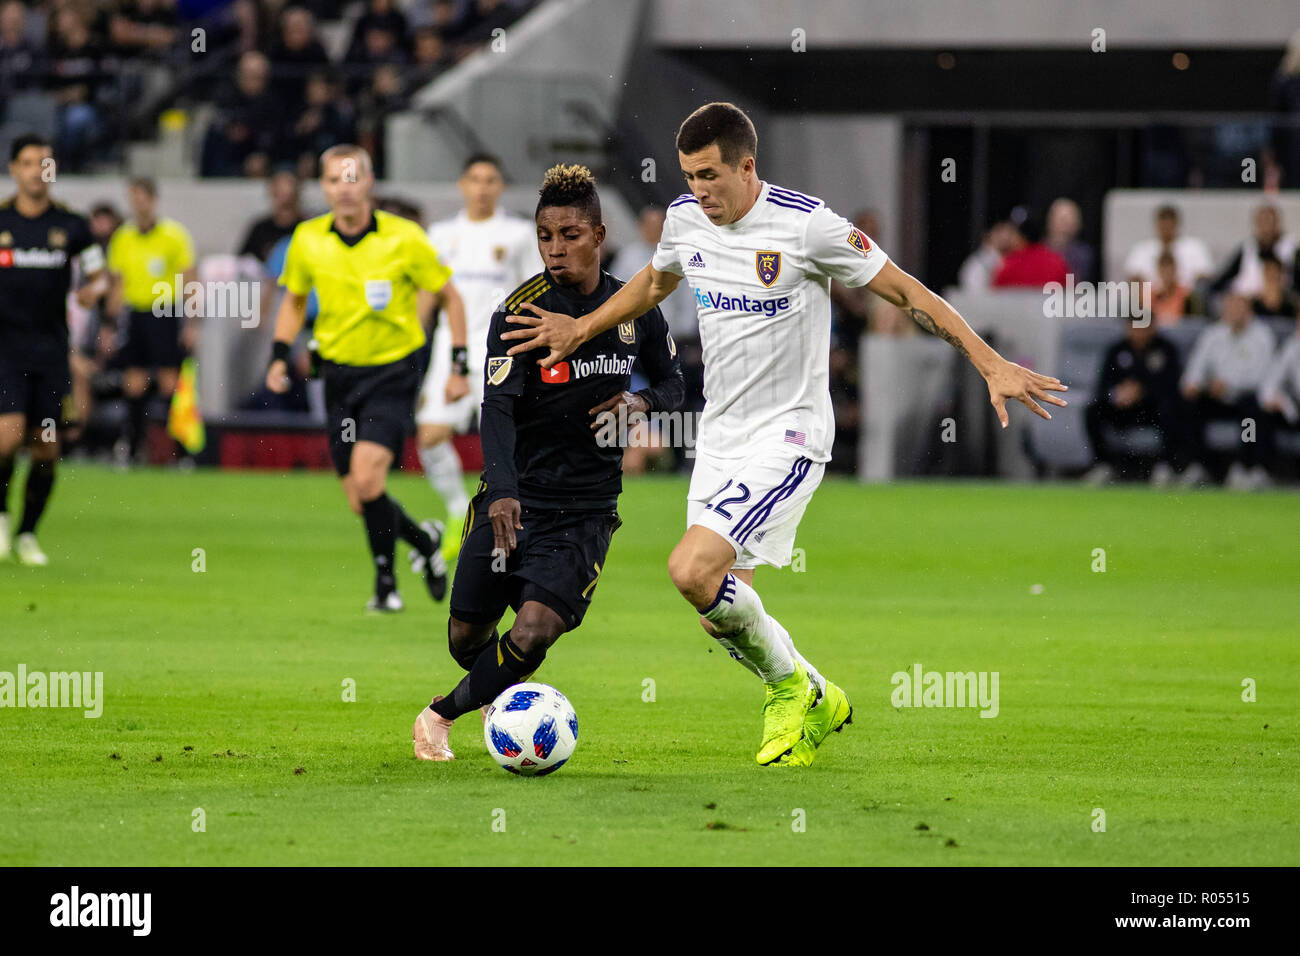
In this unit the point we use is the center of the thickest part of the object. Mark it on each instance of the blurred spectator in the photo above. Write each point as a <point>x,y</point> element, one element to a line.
<point>1029,264</point>
<point>76,73</point>
<point>142,26</point>
<point>1285,100</point>
<point>381,17</point>
<point>384,95</point>
<point>21,60</point>
<point>1138,385</point>
<point>283,190</point>
<point>297,53</point>
<point>325,121</point>
<point>243,134</point>
<point>1243,273</point>
<point>1223,376</point>
<point>431,58</point>
<point>1171,301</point>
<point>1191,254</point>
<point>1274,297</point>
<point>1280,392</point>
<point>977,271</point>
<point>1064,222</point>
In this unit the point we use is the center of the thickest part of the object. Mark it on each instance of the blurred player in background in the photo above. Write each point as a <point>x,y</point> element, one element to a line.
<point>490,252</point>
<point>365,265</point>
<point>540,526</point>
<point>760,259</point>
<point>39,241</point>
<point>146,252</point>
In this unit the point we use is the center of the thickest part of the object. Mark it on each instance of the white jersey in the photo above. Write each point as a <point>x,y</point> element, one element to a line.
<point>488,259</point>
<point>762,288</point>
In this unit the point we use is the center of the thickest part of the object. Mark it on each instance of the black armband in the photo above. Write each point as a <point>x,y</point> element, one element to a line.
<point>280,351</point>
<point>459,360</point>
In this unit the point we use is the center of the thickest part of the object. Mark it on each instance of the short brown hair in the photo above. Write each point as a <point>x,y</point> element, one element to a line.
<point>723,123</point>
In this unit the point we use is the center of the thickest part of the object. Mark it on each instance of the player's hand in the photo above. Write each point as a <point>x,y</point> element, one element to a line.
<point>1218,389</point>
<point>457,388</point>
<point>1127,393</point>
<point>504,514</point>
<point>189,336</point>
<point>634,403</point>
<point>543,329</point>
<point>1009,380</point>
<point>277,377</point>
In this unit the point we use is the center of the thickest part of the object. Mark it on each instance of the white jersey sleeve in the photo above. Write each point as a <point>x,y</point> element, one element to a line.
<point>666,258</point>
<point>837,249</point>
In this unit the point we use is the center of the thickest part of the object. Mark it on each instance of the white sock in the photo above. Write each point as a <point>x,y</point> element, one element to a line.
<point>442,468</point>
<point>744,627</point>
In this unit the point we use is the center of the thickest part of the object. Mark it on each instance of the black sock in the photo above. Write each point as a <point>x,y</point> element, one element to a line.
<point>40,479</point>
<point>6,473</point>
<point>378,515</point>
<point>409,531</point>
<point>498,666</point>
<point>136,424</point>
<point>467,657</point>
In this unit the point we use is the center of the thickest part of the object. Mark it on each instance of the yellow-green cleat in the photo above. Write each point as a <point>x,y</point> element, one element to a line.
<point>784,709</point>
<point>451,536</point>
<point>830,715</point>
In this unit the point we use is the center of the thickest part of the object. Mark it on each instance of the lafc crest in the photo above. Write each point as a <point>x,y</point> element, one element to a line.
<point>627,332</point>
<point>498,368</point>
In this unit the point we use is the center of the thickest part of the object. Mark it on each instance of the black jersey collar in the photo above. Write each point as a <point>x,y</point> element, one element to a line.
<point>371,226</point>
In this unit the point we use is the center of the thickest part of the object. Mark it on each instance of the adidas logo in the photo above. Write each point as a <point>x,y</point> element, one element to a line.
<point>697,262</point>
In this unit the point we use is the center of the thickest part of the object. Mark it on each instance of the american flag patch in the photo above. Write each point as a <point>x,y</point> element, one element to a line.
<point>794,437</point>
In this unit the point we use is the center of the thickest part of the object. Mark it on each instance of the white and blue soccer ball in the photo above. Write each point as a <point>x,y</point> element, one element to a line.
<point>531,729</point>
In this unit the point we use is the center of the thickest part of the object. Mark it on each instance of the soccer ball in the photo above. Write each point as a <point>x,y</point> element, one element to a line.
<point>531,729</point>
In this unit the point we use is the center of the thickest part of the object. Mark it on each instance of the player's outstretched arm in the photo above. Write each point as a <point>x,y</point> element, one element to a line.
<point>562,333</point>
<point>448,297</point>
<point>928,310</point>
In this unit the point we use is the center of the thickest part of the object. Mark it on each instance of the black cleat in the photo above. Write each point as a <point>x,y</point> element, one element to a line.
<point>432,565</point>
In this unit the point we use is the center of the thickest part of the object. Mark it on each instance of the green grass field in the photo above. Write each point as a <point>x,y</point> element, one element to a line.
<point>1120,690</point>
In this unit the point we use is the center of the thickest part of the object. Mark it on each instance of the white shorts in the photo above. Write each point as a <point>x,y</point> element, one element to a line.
<point>431,408</point>
<point>755,503</point>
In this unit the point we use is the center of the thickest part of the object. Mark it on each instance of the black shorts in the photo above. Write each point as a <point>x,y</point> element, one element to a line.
<point>557,561</point>
<point>369,403</point>
<point>34,391</point>
<point>152,341</point>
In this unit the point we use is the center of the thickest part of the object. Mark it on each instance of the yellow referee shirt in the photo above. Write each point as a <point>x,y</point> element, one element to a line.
<point>366,286</point>
<point>144,259</point>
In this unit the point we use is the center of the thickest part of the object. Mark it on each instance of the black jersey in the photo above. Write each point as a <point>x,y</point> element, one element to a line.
<point>538,444</point>
<point>35,275</point>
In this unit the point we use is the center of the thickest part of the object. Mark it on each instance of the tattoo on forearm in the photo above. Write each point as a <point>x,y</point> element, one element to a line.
<point>926,321</point>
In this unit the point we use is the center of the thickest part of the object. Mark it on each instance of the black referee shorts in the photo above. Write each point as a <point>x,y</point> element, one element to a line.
<point>152,341</point>
<point>369,403</point>
<point>35,391</point>
<point>557,561</point>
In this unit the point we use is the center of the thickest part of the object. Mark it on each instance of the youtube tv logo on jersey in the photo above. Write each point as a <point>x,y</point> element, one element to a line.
<point>558,374</point>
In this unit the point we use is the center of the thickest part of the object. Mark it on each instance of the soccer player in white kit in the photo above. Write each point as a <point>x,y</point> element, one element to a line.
<point>490,253</point>
<point>759,259</point>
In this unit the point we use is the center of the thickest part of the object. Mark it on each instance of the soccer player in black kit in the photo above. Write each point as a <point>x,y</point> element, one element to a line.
<point>538,530</point>
<point>39,239</point>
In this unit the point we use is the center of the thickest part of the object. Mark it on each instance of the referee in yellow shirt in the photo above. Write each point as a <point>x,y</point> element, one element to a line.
<point>144,254</point>
<point>366,265</point>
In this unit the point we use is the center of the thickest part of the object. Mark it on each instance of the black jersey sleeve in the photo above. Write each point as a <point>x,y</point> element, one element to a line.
<point>662,366</point>
<point>504,377</point>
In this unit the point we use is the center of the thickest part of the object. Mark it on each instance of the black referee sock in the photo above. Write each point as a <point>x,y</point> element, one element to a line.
<point>6,473</point>
<point>409,531</point>
<point>499,665</point>
<point>40,479</point>
<point>137,423</point>
<point>378,516</point>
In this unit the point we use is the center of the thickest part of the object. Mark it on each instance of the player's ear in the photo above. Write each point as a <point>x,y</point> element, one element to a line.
<point>599,232</point>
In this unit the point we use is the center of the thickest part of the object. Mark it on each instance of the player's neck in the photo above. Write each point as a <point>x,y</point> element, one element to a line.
<point>29,207</point>
<point>755,188</point>
<point>144,225</point>
<point>351,225</point>
<point>479,217</point>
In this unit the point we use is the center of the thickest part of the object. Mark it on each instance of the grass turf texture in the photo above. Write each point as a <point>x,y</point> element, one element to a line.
<point>1119,690</point>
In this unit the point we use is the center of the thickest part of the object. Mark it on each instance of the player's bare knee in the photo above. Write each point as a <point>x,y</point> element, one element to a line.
<point>692,576</point>
<point>536,633</point>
